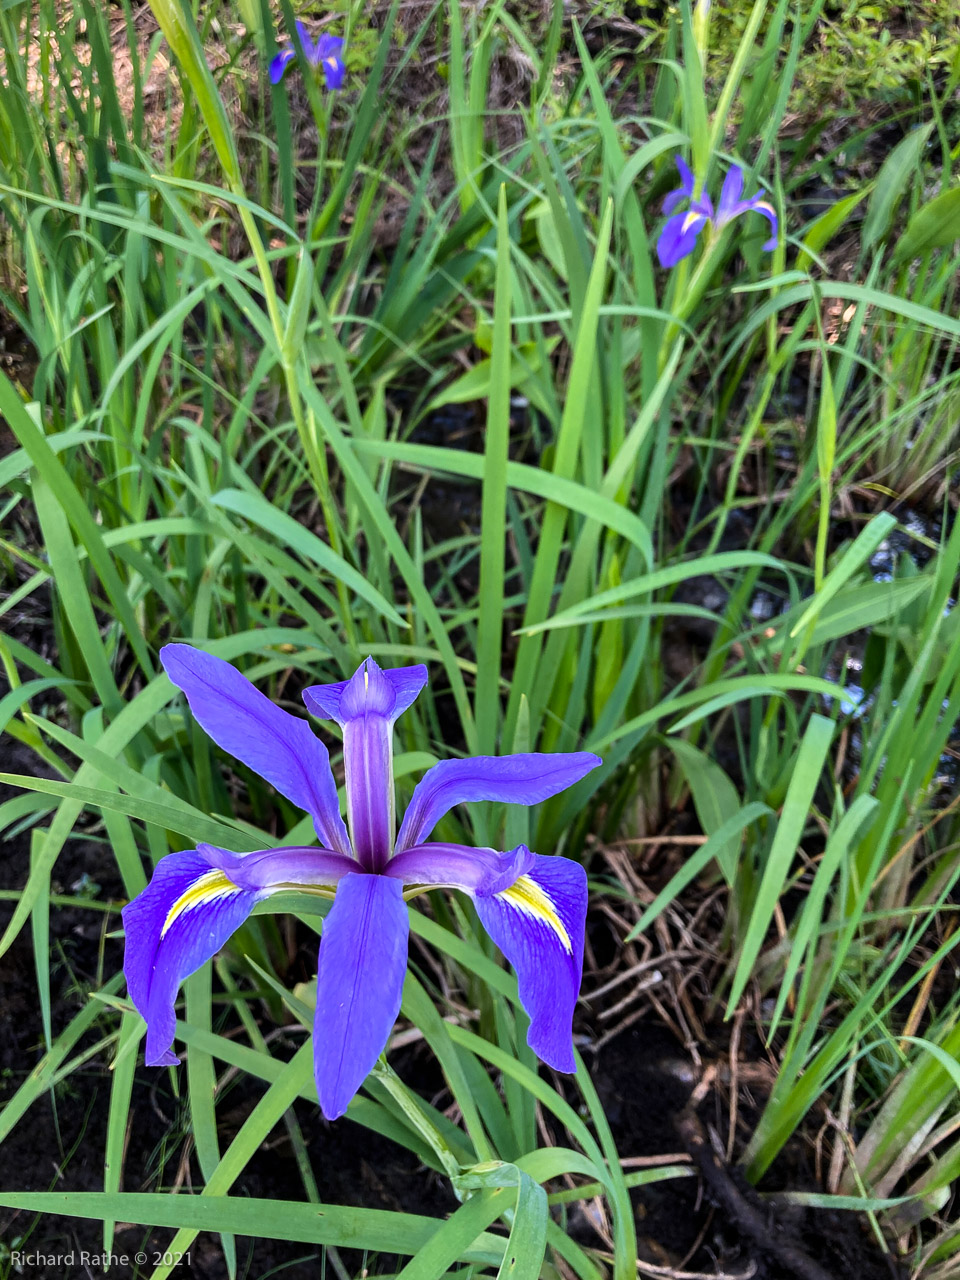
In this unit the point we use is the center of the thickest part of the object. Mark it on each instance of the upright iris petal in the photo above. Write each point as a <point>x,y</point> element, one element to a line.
<point>533,907</point>
<point>518,779</point>
<point>275,744</point>
<point>366,707</point>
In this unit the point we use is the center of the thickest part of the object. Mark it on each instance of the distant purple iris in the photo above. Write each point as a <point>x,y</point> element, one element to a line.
<point>679,237</point>
<point>325,54</point>
<point>533,907</point>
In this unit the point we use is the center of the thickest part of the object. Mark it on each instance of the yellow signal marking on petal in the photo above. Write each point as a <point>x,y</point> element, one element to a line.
<point>207,888</point>
<point>763,206</point>
<point>689,221</point>
<point>527,896</point>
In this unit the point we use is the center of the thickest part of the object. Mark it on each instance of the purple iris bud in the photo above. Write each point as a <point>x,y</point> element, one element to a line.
<point>679,236</point>
<point>533,907</point>
<point>324,54</point>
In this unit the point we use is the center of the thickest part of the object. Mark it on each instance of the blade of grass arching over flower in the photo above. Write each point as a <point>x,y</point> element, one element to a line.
<point>183,816</point>
<point>161,815</point>
<point>807,773</point>
<point>565,460</point>
<point>493,519</point>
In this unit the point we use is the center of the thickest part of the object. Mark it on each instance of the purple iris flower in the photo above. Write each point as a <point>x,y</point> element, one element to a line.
<point>679,237</point>
<point>533,907</point>
<point>325,54</point>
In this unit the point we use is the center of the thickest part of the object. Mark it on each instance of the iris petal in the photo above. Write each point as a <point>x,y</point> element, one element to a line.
<point>687,180</point>
<point>457,866</point>
<point>329,46</point>
<point>538,924</point>
<point>279,63</point>
<point>184,916</point>
<point>275,744</point>
<point>518,779</point>
<point>323,700</point>
<point>333,72</point>
<point>309,48</point>
<point>363,961</point>
<point>274,868</point>
<point>759,204</point>
<point>534,908</point>
<point>730,194</point>
<point>685,189</point>
<point>366,707</point>
<point>679,237</point>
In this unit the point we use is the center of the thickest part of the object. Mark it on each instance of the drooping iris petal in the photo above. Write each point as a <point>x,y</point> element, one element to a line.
<point>333,72</point>
<point>519,779</point>
<point>534,908</point>
<point>730,194</point>
<point>275,744</point>
<point>679,237</point>
<point>363,960</point>
<point>279,63</point>
<point>759,204</point>
<point>538,924</point>
<point>183,917</point>
<point>329,60</point>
